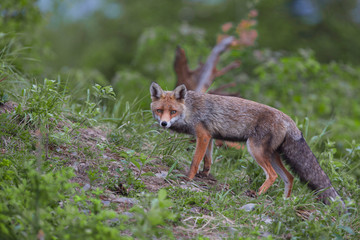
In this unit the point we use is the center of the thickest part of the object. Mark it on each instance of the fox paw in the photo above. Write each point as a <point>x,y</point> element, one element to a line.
<point>251,193</point>
<point>202,174</point>
<point>185,178</point>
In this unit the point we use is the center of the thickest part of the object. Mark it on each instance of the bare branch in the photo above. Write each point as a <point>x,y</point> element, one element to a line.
<point>207,73</point>
<point>229,67</point>
<point>181,66</point>
<point>183,74</point>
<point>219,90</point>
<point>222,87</point>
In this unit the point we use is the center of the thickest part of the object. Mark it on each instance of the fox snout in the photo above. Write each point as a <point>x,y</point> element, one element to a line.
<point>165,124</point>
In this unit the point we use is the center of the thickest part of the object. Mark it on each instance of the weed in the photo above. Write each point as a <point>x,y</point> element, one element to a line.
<point>131,182</point>
<point>93,175</point>
<point>150,218</point>
<point>92,106</point>
<point>42,104</point>
<point>138,161</point>
<point>3,97</point>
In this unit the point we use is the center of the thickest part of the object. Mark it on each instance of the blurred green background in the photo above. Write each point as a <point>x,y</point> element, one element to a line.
<point>304,61</point>
<point>106,34</point>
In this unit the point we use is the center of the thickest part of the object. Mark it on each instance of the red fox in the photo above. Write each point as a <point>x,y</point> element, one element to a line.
<point>268,133</point>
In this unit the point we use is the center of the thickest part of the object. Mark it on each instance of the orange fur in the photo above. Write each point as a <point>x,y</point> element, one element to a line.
<point>202,142</point>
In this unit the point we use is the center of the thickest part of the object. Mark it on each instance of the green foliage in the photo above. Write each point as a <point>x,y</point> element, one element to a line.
<point>17,16</point>
<point>3,98</point>
<point>131,87</point>
<point>91,109</point>
<point>42,104</point>
<point>288,31</point>
<point>28,196</point>
<point>40,204</point>
<point>78,81</point>
<point>155,49</point>
<point>19,20</point>
<point>112,47</point>
<point>353,152</point>
<point>11,80</point>
<point>93,175</point>
<point>149,219</point>
<point>138,161</point>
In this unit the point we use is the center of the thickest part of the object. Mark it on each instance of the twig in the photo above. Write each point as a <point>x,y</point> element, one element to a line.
<point>229,67</point>
<point>206,75</point>
<point>227,219</point>
<point>222,87</point>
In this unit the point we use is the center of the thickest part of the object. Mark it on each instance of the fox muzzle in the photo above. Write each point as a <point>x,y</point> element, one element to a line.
<point>165,124</point>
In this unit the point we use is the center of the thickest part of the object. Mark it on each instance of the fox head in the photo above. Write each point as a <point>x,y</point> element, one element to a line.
<point>167,106</point>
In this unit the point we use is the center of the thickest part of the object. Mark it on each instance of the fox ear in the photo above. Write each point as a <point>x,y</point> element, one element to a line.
<point>155,91</point>
<point>180,92</point>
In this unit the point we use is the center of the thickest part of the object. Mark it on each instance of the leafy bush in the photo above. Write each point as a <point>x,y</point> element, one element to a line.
<point>46,204</point>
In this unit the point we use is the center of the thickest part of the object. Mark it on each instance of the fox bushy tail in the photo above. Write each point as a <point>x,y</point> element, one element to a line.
<point>301,159</point>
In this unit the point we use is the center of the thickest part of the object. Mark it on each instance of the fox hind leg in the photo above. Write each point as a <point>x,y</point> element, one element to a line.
<point>263,157</point>
<point>283,172</point>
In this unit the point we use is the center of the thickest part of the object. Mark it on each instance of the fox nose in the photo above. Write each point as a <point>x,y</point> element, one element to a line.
<point>164,123</point>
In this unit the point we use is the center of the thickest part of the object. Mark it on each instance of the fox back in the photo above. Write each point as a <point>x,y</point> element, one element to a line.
<point>226,118</point>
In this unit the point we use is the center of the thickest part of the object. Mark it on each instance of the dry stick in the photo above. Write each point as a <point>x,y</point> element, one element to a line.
<point>207,70</point>
<point>222,87</point>
<point>181,65</point>
<point>229,67</point>
<point>183,74</point>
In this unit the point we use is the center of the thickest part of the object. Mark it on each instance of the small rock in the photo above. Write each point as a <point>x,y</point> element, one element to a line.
<point>114,220</point>
<point>249,207</point>
<point>125,200</point>
<point>85,211</point>
<point>265,234</point>
<point>266,219</point>
<point>190,187</point>
<point>161,174</point>
<point>75,166</point>
<point>232,230</point>
<point>129,214</point>
<point>86,187</point>
<point>106,203</point>
<point>195,209</point>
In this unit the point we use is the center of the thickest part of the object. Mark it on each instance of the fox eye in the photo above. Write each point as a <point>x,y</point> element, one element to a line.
<point>172,112</point>
<point>159,110</point>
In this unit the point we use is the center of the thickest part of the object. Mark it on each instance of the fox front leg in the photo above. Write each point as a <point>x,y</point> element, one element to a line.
<point>207,160</point>
<point>203,139</point>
